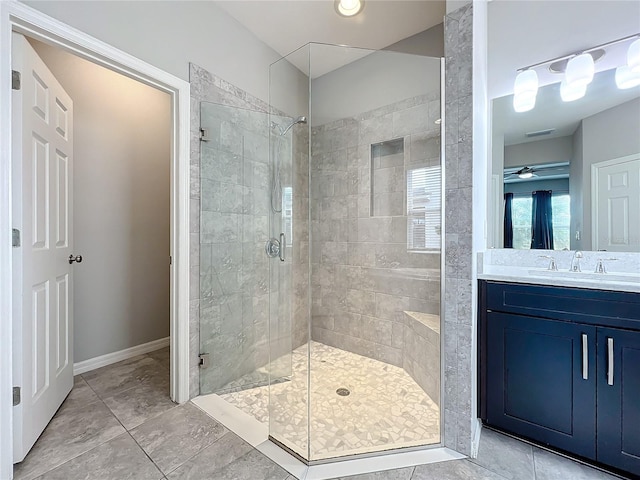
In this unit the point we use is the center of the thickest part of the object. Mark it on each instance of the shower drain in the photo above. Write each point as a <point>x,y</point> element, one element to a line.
<point>343,392</point>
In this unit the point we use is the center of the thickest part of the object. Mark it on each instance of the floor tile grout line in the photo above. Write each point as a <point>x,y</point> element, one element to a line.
<point>75,456</point>
<point>201,450</point>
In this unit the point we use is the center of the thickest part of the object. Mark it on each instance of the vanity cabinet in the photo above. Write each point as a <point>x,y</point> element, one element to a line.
<point>561,366</point>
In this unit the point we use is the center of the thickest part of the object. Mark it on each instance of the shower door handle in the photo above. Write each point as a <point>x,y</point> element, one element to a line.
<point>283,245</point>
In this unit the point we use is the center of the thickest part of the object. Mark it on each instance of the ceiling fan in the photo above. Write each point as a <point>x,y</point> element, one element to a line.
<point>526,172</point>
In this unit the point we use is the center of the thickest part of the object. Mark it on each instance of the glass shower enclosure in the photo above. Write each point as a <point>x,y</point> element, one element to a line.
<point>320,253</point>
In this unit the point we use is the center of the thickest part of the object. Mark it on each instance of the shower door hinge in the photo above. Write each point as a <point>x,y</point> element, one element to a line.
<point>204,135</point>
<point>15,237</point>
<point>16,396</point>
<point>15,80</point>
<point>204,360</point>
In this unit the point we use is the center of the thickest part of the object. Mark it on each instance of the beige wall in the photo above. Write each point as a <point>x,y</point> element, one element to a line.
<point>121,206</point>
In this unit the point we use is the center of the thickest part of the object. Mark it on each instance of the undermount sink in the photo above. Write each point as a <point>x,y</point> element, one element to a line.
<point>587,276</point>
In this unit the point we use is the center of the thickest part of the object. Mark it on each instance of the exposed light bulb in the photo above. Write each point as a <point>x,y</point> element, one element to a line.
<point>570,93</point>
<point>633,56</point>
<point>348,8</point>
<point>525,89</point>
<point>580,70</point>
<point>626,78</point>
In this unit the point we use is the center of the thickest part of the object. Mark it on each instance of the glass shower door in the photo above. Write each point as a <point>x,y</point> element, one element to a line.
<point>233,268</point>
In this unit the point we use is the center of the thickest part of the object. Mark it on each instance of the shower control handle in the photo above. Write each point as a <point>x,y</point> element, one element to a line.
<point>272,248</point>
<point>283,246</point>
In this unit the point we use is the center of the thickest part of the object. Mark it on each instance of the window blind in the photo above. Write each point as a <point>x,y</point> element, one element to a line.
<point>423,208</point>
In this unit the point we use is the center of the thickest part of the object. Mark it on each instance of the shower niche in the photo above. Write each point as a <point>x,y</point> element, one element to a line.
<point>334,343</point>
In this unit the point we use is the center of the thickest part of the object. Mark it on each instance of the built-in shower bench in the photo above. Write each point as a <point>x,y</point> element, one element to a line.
<point>421,352</point>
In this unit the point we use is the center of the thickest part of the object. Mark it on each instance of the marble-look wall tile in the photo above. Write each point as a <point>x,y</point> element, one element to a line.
<point>458,310</point>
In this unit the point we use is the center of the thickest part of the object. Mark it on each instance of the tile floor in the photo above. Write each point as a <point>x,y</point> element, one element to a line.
<point>384,409</point>
<point>118,423</point>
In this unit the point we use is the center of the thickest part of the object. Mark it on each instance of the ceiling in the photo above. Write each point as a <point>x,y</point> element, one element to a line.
<point>287,25</point>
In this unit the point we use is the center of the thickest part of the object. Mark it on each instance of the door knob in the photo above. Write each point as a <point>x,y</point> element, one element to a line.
<point>76,258</point>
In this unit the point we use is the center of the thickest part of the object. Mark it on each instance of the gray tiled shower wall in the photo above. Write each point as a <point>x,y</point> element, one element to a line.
<point>363,276</point>
<point>229,220</point>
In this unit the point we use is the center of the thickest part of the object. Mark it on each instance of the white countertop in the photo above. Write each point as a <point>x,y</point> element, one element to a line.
<point>538,276</point>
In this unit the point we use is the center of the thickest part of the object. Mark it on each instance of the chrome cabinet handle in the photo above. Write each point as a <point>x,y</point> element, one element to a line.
<point>610,361</point>
<point>585,357</point>
<point>283,245</point>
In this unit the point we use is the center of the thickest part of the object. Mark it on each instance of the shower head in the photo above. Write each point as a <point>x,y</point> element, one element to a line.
<point>300,119</point>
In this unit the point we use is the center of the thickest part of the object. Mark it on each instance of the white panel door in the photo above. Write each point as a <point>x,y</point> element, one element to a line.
<point>42,209</point>
<point>616,201</point>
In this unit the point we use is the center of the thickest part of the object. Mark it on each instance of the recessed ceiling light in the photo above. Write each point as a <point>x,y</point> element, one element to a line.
<point>348,8</point>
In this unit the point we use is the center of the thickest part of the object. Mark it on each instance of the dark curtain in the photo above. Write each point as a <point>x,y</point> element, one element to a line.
<point>508,221</point>
<point>541,220</point>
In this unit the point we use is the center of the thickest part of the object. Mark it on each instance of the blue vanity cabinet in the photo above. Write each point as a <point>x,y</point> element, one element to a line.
<point>619,398</point>
<point>561,366</point>
<point>535,381</point>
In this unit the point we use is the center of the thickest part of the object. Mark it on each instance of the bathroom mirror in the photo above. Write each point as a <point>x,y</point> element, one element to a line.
<point>586,152</point>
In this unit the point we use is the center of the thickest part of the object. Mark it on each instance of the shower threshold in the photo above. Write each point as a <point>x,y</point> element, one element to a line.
<point>256,434</point>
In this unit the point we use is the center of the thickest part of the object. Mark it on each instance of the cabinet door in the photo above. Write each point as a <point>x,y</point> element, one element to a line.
<point>541,380</point>
<point>619,398</point>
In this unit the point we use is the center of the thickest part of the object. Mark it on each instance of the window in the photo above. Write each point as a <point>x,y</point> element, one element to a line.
<point>423,208</point>
<point>521,217</point>
<point>287,213</point>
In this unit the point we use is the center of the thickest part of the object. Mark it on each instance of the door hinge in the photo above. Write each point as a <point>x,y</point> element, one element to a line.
<point>15,80</point>
<point>15,238</point>
<point>204,360</point>
<point>170,260</point>
<point>204,135</point>
<point>16,396</point>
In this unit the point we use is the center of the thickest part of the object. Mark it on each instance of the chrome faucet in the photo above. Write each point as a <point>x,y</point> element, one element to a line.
<point>600,267</point>
<point>552,263</point>
<point>575,262</point>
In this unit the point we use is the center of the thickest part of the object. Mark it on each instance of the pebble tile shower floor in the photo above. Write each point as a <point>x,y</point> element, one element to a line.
<point>385,407</point>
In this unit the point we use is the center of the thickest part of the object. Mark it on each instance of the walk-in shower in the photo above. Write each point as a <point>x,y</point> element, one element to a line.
<point>332,337</point>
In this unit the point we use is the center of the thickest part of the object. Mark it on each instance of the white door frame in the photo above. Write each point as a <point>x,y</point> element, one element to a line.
<point>15,16</point>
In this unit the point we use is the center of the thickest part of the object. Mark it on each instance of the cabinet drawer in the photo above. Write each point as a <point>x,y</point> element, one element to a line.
<point>616,309</point>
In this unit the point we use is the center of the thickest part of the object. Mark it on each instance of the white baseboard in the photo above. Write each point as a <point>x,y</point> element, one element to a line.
<point>109,358</point>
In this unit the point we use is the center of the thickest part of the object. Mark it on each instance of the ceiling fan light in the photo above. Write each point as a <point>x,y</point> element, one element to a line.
<point>626,78</point>
<point>569,93</point>
<point>633,56</point>
<point>349,8</point>
<point>580,70</point>
<point>525,175</point>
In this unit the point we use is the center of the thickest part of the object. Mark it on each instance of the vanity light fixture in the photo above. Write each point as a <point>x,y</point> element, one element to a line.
<point>625,78</point>
<point>577,70</point>
<point>525,90</point>
<point>633,57</point>
<point>569,93</point>
<point>348,8</point>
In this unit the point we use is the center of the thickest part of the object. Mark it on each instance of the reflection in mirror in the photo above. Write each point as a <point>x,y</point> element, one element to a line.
<point>586,153</point>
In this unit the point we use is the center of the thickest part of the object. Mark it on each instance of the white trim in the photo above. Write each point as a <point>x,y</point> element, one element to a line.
<point>114,357</point>
<point>15,16</point>
<point>256,434</point>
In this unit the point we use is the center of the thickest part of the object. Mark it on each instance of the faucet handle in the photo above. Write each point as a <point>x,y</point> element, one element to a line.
<point>552,262</point>
<point>600,267</point>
